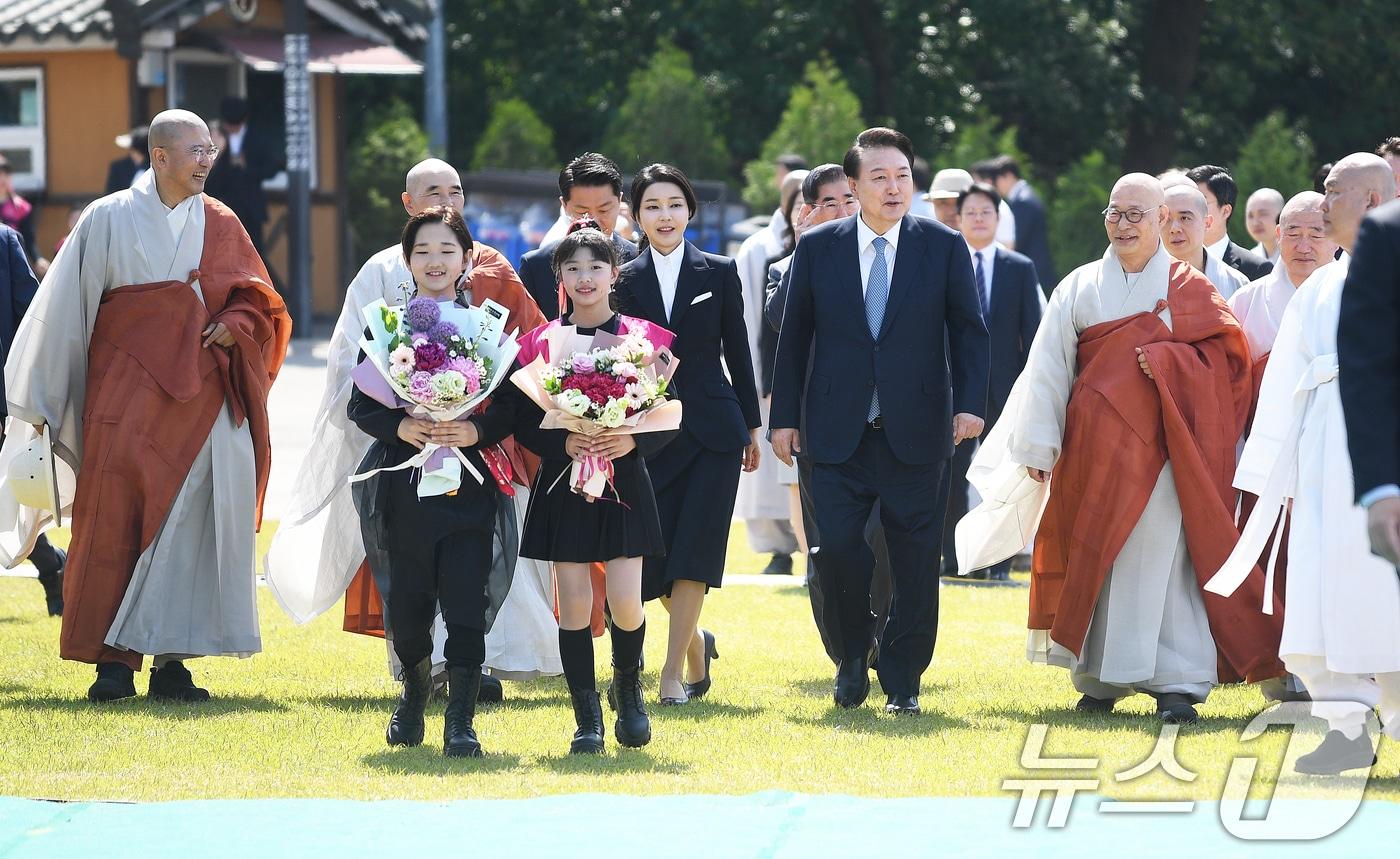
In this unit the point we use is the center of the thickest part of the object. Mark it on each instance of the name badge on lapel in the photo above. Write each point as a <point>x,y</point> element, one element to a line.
<point>701,297</point>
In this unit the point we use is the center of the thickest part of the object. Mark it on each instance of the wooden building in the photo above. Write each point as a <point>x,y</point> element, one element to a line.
<point>75,74</point>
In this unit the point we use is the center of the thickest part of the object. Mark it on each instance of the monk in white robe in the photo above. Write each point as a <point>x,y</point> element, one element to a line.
<point>762,501</point>
<point>1185,238</point>
<point>318,549</point>
<point>148,353</point>
<point>1341,628</point>
<point>1098,412</point>
<point>1302,248</point>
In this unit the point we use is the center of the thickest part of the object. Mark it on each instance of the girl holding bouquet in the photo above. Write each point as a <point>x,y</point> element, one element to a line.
<point>573,530</point>
<point>698,296</point>
<point>438,549</point>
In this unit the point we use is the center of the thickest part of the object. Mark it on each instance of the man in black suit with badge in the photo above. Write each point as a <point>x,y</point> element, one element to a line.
<point>589,185</point>
<point>879,305</point>
<point>1221,192</point>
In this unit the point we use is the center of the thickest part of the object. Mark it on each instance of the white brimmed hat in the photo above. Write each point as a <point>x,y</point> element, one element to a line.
<point>33,477</point>
<point>949,183</point>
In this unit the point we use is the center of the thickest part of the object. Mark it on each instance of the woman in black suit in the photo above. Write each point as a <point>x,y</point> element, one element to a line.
<point>696,295</point>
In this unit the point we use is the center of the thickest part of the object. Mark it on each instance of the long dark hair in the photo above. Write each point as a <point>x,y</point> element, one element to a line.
<point>652,175</point>
<point>584,233</point>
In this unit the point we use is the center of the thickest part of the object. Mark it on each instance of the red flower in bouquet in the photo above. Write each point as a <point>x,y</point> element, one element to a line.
<point>598,387</point>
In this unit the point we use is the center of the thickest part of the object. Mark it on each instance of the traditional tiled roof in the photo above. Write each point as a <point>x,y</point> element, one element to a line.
<point>75,20</point>
<point>42,20</point>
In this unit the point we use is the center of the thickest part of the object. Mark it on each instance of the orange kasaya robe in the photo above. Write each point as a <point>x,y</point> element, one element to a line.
<point>153,394</point>
<point>1120,430</point>
<point>491,278</point>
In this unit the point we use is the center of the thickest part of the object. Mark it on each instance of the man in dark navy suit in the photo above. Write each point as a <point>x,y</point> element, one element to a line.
<point>589,185</point>
<point>1368,350</point>
<point>1032,231</point>
<point>879,305</point>
<point>1221,192</point>
<point>1011,299</point>
<point>17,288</point>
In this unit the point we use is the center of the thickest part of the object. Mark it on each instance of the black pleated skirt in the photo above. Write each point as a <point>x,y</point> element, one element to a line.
<point>562,525</point>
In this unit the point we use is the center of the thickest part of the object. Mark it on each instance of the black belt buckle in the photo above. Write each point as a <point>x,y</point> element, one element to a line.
<point>878,423</point>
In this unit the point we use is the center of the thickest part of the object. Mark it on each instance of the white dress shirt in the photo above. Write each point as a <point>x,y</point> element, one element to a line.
<point>1006,224</point>
<point>235,140</point>
<point>668,273</point>
<point>865,244</point>
<point>1217,250</point>
<point>989,261</point>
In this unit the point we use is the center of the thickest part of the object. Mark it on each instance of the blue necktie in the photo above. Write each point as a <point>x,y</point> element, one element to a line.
<point>877,295</point>
<point>983,296</point>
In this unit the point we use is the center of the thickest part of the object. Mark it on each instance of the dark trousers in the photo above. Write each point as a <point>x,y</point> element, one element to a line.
<point>452,573</point>
<point>912,500</point>
<point>816,590</point>
<point>45,557</point>
<point>957,507</point>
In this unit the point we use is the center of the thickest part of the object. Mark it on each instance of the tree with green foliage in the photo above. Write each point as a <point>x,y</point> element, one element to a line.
<point>982,136</point>
<point>391,143</point>
<point>669,116</point>
<point>821,120</point>
<point>1076,226</point>
<point>515,139</point>
<point>1275,155</point>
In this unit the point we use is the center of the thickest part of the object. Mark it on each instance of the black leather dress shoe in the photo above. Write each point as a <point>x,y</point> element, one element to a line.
<point>1090,704</point>
<point>491,690</point>
<point>1173,708</point>
<point>114,682</point>
<point>173,682</point>
<point>902,705</point>
<point>779,565</point>
<point>852,682</point>
<point>1337,754</point>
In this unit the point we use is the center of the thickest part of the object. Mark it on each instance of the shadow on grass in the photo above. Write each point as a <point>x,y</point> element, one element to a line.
<point>617,760</point>
<point>219,705</point>
<point>428,760</point>
<point>1067,717</point>
<point>870,718</point>
<point>701,709</point>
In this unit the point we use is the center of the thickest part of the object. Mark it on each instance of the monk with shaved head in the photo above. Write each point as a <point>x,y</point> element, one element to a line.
<point>146,358</point>
<point>1127,415</point>
<point>319,554</point>
<point>1188,220</point>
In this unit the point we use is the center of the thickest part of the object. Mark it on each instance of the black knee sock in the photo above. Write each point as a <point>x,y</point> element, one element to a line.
<point>627,645</point>
<point>576,652</point>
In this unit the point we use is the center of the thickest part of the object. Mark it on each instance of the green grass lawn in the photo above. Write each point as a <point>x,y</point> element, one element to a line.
<point>306,719</point>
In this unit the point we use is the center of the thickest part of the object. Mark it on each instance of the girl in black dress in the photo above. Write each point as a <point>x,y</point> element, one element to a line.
<point>698,296</point>
<point>434,550</point>
<point>567,529</point>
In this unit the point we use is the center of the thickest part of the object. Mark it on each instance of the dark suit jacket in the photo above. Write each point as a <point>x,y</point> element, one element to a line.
<point>240,188</point>
<point>1368,351</point>
<point>1249,263</point>
<point>537,273</point>
<point>120,173</point>
<point>17,288</point>
<point>1012,323</point>
<point>933,318</point>
<point>1032,233</point>
<point>707,318</point>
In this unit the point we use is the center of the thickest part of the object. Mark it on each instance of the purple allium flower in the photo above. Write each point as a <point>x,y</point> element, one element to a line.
<point>442,332</point>
<point>423,314</point>
<point>429,356</point>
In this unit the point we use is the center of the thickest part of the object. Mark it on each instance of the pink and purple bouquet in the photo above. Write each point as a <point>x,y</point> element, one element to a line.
<point>440,361</point>
<point>600,385</point>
